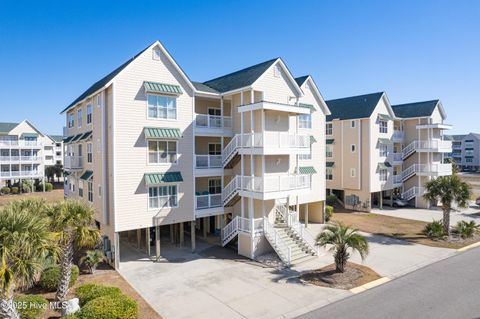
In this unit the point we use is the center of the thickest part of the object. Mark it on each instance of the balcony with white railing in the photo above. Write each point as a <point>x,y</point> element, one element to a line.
<point>397,180</point>
<point>427,170</point>
<point>208,161</point>
<point>395,158</point>
<point>73,162</point>
<point>20,144</point>
<point>20,159</point>
<point>398,136</point>
<point>213,124</point>
<point>208,201</point>
<point>438,146</point>
<point>21,174</point>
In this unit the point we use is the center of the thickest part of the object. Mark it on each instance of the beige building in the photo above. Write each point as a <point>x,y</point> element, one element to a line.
<point>376,152</point>
<point>22,153</point>
<point>240,157</point>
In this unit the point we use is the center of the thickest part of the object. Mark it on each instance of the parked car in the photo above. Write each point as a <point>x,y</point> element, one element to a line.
<point>477,202</point>
<point>399,202</point>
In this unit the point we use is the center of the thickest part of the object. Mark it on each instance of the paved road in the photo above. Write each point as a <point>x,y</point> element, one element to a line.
<point>447,289</point>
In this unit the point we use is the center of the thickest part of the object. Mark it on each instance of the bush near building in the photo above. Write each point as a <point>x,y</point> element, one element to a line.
<point>50,277</point>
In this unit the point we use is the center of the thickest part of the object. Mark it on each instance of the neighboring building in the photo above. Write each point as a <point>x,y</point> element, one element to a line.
<point>156,153</point>
<point>21,152</point>
<point>466,151</point>
<point>375,151</point>
<point>53,150</point>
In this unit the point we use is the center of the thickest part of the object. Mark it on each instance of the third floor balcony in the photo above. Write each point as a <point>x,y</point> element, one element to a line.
<point>73,162</point>
<point>213,125</point>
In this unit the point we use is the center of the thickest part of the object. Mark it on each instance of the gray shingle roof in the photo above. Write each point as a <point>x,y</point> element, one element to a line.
<point>301,79</point>
<point>7,127</point>
<point>204,88</point>
<point>457,137</point>
<point>239,79</point>
<point>101,83</point>
<point>477,136</point>
<point>354,107</point>
<point>56,138</point>
<point>417,109</point>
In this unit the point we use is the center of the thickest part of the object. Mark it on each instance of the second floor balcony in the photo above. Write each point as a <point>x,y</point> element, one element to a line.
<point>20,144</point>
<point>398,136</point>
<point>72,162</point>
<point>21,174</point>
<point>208,161</point>
<point>207,200</point>
<point>20,159</point>
<point>206,124</point>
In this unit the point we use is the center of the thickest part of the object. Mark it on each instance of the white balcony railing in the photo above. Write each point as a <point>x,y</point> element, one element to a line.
<point>20,143</point>
<point>397,179</point>
<point>439,146</point>
<point>213,121</point>
<point>23,174</point>
<point>275,183</point>
<point>395,157</point>
<point>427,169</point>
<point>73,162</point>
<point>276,140</point>
<point>20,158</point>
<point>208,161</point>
<point>208,201</point>
<point>398,135</point>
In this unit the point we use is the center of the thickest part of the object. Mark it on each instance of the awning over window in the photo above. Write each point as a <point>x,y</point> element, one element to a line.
<point>308,106</point>
<point>87,175</point>
<point>154,87</point>
<point>86,135</point>
<point>330,164</point>
<point>161,178</point>
<point>312,139</point>
<point>76,138</point>
<point>384,117</point>
<point>384,165</point>
<point>68,139</point>
<point>384,141</point>
<point>29,134</point>
<point>330,141</point>
<point>307,170</point>
<point>157,132</point>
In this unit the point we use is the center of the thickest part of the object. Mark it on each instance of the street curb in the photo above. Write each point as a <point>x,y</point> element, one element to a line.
<point>469,246</point>
<point>370,285</point>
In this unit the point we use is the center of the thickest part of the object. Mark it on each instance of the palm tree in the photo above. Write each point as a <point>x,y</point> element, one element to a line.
<point>25,242</point>
<point>342,238</point>
<point>447,189</point>
<point>91,259</point>
<point>74,225</point>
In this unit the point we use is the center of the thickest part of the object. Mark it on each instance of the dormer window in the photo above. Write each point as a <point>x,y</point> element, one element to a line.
<point>276,71</point>
<point>156,54</point>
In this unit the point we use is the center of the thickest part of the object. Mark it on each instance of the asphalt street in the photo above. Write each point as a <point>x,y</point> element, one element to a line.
<point>447,289</point>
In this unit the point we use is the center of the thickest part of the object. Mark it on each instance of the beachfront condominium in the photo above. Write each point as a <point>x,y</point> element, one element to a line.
<point>241,156</point>
<point>466,151</point>
<point>376,152</point>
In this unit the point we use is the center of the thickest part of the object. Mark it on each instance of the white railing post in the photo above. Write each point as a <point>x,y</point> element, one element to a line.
<point>289,255</point>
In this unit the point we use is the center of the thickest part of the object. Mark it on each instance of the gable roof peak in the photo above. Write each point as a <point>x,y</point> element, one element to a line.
<point>353,107</point>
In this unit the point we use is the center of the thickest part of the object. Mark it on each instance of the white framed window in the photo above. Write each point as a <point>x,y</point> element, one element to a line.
<point>79,117</point>
<point>89,152</point>
<point>214,186</point>
<point>214,111</point>
<point>80,188</point>
<point>329,174</point>
<point>353,148</point>
<point>99,100</point>
<point>353,124</point>
<point>383,125</point>
<point>353,172</point>
<point>162,196</point>
<point>468,160</point>
<point>162,107</point>
<point>276,71</point>
<point>90,191</point>
<point>305,157</point>
<point>329,151</point>
<point>329,128</point>
<point>468,144</point>
<point>156,54</point>
<point>383,175</point>
<point>99,190</point>
<point>162,152</point>
<point>468,152</point>
<point>383,150</point>
<point>305,121</point>
<point>214,149</point>
<point>71,120</point>
<point>89,114</point>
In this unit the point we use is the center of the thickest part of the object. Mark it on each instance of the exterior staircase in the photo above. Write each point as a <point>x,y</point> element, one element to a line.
<point>230,192</point>
<point>413,192</point>
<point>230,152</point>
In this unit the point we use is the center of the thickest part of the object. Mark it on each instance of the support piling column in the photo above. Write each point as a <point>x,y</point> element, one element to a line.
<point>139,238</point>
<point>147,240</point>
<point>157,242</point>
<point>192,234</point>
<point>182,234</point>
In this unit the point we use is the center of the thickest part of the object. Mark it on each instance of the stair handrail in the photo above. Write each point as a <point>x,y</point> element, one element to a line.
<point>278,244</point>
<point>299,228</point>
<point>231,187</point>
<point>229,230</point>
<point>231,147</point>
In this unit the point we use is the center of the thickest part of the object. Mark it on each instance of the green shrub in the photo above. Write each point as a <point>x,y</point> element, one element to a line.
<point>110,307</point>
<point>331,200</point>
<point>5,190</point>
<point>88,292</point>
<point>14,190</point>
<point>48,187</point>
<point>51,276</point>
<point>328,213</point>
<point>434,229</point>
<point>466,229</point>
<point>26,187</point>
<point>30,306</point>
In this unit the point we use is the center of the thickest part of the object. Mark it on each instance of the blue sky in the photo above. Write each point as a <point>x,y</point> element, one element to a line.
<point>51,51</point>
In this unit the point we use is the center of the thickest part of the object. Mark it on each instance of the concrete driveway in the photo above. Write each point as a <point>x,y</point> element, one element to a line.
<point>427,215</point>
<point>217,283</point>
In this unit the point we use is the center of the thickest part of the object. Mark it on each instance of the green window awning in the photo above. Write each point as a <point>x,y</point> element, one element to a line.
<point>30,135</point>
<point>330,164</point>
<point>307,170</point>
<point>154,87</point>
<point>157,132</point>
<point>308,106</point>
<point>161,178</point>
<point>330,141</point>
<point>87,175</point>
<point>312,139</point>
<point>384,117</point>
<point>384,141</point>
<point>86,135</point>
<point>67,139</point>
<point>76,138</point>
<point>384,165</point>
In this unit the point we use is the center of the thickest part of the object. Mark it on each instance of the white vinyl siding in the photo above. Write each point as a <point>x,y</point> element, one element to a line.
<point>79,117</point>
